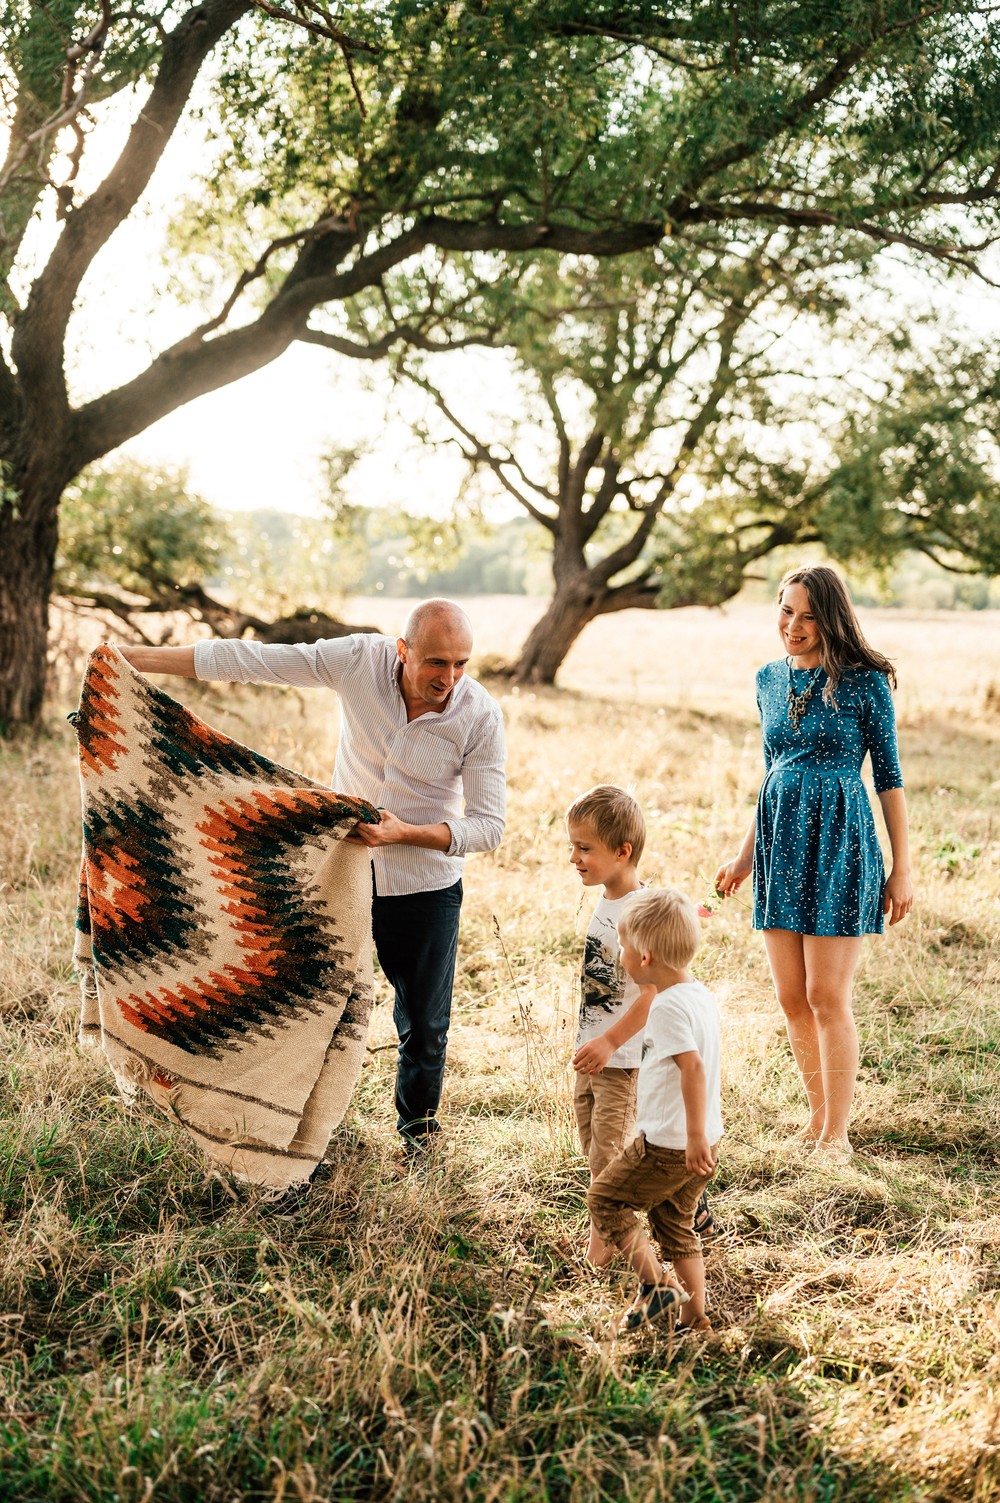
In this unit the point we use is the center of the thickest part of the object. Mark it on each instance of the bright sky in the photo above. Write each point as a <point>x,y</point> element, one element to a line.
<point>259,441</point>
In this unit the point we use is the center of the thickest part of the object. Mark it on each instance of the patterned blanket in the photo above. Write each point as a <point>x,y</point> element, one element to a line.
<point>223,931</point>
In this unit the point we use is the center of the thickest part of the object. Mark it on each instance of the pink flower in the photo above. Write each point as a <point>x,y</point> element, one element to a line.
<point>705,912</point>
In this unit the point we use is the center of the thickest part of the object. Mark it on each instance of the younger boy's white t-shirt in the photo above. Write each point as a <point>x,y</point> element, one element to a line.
<point>682,1018</point>
<point>606,991</point>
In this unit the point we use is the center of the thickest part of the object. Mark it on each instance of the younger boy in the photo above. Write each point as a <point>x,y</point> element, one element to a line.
<point>606,835</point>
<point>678,1117</point>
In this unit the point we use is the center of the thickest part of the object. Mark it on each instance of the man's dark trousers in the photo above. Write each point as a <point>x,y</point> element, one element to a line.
<point>416,939</point>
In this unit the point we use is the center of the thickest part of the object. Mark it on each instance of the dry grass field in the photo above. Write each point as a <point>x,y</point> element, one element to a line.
<point>163,1336</point>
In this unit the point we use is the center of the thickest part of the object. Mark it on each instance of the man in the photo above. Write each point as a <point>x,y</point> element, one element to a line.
<point>417,737</point>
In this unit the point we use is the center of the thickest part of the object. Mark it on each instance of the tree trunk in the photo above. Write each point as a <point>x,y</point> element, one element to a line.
<point>28,537</point>
<point>573,606</point>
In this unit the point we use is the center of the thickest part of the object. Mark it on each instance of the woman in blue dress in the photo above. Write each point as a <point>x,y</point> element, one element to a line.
<point>818,877</point>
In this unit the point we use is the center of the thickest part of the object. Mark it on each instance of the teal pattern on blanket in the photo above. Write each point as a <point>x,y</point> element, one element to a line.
<point>817,865</point>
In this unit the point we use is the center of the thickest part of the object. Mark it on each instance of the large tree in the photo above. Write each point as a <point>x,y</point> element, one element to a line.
<point>337,150</point>
<point>670,420</point>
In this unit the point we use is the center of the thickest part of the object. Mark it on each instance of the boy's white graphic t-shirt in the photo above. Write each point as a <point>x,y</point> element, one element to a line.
<point>682,1018</point>
<point>606,991</point>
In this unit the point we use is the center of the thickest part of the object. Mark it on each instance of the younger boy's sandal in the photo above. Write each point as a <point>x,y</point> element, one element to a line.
<point>572,1270</point>
<point>700,1327</point>
<point>686,1339</point>
<point>653,1303</point>
<point>705,1224</point>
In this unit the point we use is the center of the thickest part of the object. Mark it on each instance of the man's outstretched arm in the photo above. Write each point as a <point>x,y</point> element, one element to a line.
<point>176,660</point>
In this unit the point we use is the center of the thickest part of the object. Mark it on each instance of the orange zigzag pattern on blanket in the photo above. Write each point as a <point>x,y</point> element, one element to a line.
<point>285,955</point>
<point>105,743</point>
<point>195,1003</point>
<point>250,920</point>
<point>223,927</point>
<point>114,886</point>
<point>248,944</point>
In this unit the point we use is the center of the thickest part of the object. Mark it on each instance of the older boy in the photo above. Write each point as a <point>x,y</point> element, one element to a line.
<point>606,835</point>
<point>678,1117</point>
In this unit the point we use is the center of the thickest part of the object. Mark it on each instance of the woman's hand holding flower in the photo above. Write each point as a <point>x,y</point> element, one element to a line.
<point>732,876</point>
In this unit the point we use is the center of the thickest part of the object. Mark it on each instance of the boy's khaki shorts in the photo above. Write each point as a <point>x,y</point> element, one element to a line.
<point>652,1179</point>
<point>605,1114</point>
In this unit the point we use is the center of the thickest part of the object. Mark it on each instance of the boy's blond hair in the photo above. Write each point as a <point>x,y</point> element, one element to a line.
<point>663,923</point>
<point>613,815</point>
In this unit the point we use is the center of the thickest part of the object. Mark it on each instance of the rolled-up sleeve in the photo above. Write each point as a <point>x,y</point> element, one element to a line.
<point>302,665</point>
<point>484,791</point>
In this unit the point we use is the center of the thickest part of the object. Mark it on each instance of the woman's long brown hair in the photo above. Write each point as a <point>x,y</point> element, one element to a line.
<point>842,642</point>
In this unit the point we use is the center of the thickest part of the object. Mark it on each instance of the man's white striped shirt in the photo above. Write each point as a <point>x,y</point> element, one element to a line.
<point>422,770</point>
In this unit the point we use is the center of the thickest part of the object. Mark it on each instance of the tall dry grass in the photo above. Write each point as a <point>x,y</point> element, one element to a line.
<point>162,1336</point>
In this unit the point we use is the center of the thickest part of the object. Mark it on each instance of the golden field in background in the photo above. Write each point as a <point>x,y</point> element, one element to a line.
<point>946,660</point>
<point>411,1338</point>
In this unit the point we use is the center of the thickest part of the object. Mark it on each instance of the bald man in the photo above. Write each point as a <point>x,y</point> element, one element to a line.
<point>425,744</point>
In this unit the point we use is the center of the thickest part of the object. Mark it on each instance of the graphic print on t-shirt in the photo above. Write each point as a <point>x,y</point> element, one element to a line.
<point>606,991</point>
<point>602,983</point>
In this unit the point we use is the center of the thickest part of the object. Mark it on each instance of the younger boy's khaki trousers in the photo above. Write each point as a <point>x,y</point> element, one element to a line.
<point>656,1180</point>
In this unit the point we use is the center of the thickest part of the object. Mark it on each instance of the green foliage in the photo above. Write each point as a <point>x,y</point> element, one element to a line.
<point>333,148</point>
<point>524,111</point>
<point>37,37</point>
<point>497,560</point>
<point>276,562</point>
<point>954,853</point>
<point>35,40</point>
<point>465,107</point>
<point>918,583</point>
<point>8,492</point>
<point>526,105</point>
<point>721,398</point>
<point>136,529</point>
<point>915,470</point>
<point>923,468</point>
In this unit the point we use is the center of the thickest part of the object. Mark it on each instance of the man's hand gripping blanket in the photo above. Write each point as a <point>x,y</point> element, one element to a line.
<point>223,930</point>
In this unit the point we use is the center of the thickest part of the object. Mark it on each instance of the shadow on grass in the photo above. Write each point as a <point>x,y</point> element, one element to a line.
<point>379,1345</point>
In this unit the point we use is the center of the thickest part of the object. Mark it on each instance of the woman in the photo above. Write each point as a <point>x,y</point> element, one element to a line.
<point>818,876</point>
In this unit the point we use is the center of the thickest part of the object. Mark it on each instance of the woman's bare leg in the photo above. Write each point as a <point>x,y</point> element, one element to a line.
<point>786,958</point>
<point>830,964</point>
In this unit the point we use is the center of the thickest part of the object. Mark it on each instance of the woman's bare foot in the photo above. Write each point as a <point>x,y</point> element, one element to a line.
<point>833,1150</point>
<point>805,1140</point>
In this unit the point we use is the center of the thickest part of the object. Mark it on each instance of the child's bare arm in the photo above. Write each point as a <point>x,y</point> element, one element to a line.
<point>698,1154</point>
<point>591,1057</point>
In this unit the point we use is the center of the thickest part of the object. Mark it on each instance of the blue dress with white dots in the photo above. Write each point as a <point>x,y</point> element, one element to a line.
<point>817,864</point>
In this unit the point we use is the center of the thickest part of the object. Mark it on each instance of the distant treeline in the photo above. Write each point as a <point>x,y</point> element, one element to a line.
<point>289,559</point>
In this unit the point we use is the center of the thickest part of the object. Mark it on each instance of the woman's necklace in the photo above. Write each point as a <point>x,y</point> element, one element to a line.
<point>799,703</point>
